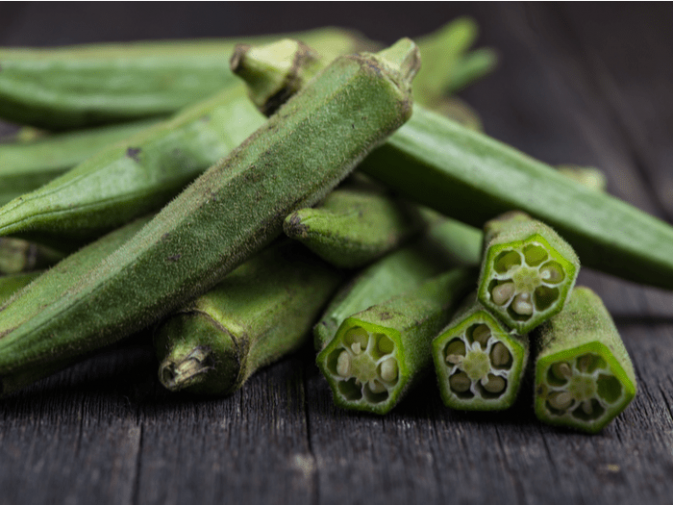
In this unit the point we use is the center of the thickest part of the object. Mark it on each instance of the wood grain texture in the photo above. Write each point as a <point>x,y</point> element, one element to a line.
<point>571,88</point>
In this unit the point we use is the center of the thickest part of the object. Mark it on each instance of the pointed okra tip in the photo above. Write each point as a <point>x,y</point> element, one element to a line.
<point>402,60</point>
<point>583,388</point>
<point>479,364</point>
<point>274,72</point>
<point>363,367</point>
<point>527,273</point>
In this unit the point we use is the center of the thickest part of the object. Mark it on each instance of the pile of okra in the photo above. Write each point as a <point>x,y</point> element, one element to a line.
<point>236,197</point>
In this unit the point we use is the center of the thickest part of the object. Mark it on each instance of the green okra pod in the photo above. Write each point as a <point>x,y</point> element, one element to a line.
<point>445,245</point>
<point>527,272</point>
<point>591,177</point>
<point>18,256</point>
<point>228,214</point>
<point>354,225</point>
<point>583,374</point>
<point>479,363</point>
<point>472,67</point>
<point>457,110</point>
<point>260,312</point>
<point>74,87</point>
<point>27,165</point>
<point>10,284</point>
<point>379,354</point>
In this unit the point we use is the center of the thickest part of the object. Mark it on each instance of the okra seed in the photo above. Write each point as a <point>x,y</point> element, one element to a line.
<point>587,407</point>
<point>389,370</point>
<point>460,382</point>
<point>552,273</point>
<point>455,359</point>
<point>561,370</point>
<point>456,347</point>
<point>494,384</point>
<point>502,293</point>
<point>481,334</point>
<point>561,400</point>
<point>500,355</point>
<point>356,347</point>
<point>343,367</point>
<point>522,306</point>
<point>376,386</point>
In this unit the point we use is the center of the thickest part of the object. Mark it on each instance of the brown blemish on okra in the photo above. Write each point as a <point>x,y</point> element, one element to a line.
<point>134,153</point>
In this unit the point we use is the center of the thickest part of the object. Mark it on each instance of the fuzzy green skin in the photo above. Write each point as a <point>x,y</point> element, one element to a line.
<point>438,163</point>
<point>10,284</point>
<point>354,226</point>
<point>75,87</point>
<point>227,215</point>
<point>136,176</point>
<point>25,306</point>
<point>410,321</point>
<point>260,312</point>
<point>585,326</point>
<point>446,244</point>
<point>514,231</point>
<point>25,166</point>
<point>518,346</point>
<point>18,256</point>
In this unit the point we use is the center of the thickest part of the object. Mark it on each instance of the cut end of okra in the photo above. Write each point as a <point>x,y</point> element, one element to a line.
<point>274,72</point>
<point>177,373</point>
<point>479,364</point>
<point>402,59</point>
<point>583,388</point>
<point>526,280</point>
<point>363,366</point>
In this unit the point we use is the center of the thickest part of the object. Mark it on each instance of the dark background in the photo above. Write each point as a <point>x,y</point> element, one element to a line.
<point>586,84</point>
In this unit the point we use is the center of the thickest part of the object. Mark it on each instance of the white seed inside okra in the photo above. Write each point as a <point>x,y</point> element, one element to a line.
<point>502,293</point>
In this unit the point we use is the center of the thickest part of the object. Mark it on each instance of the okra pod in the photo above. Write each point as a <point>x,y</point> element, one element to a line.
<point>445,245</point>
<point>228,214</point>
<point>10,284</point>
<point>379,354</point>
<point>457,110</point>
<point>27,165</point>
<point>355,225</point>
<point>18,256</point>
<point>260,312</point>
<point>479,363</point>
<point>583,374</point>
<point>527,272</point>
<point>474,178</point>
<point>591,177</point>
<point>472,67</point>
<point>74,87</point>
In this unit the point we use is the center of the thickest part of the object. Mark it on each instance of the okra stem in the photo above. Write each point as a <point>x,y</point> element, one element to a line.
<point>260,312</point>
<point>479,363</point>
<point>379,354</point>
<point>527,271</point>
<point>583,375</point>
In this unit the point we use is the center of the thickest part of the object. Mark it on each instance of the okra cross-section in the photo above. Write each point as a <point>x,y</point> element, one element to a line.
<point>378,354</point>
<point>479,363</point>
<point>583,375</point>
<point>527,272</point>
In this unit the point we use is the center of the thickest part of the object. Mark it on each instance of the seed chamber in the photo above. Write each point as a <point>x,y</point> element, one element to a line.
<point>364,366</point>
<point>581,389</point>
<point>524,283</point>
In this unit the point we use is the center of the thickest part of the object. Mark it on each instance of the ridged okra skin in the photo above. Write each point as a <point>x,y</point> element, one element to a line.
<point>446,244</point>
<point>479,363</point>
<point>47,293</point>
<point>10,284</point>
<point>354,225</point>
<point>75,87</point>
<point>379,354</point>
<point>228,214</point>
<point>583,374</point>
<point>474,178</point>
<point>527,272</point>
<point>259,313</point>
<point>18,256</point>
<point>25,166</point>
<point>136,176</point>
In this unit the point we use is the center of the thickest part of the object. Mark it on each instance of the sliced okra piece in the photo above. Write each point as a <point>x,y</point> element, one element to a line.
<point>479,363</point>
<point>527,271</point>
<point>354,226</point>
<point>11,284</point>
<point>446,244</point>
<point>259,313</point>
<point>583,374</point>
<point>17,255</point>
<point>227,215</point>
<point>590,177</point>
<point>379,354</point>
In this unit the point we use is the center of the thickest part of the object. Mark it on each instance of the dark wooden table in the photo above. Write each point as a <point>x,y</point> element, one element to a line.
<point>577,84</point>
